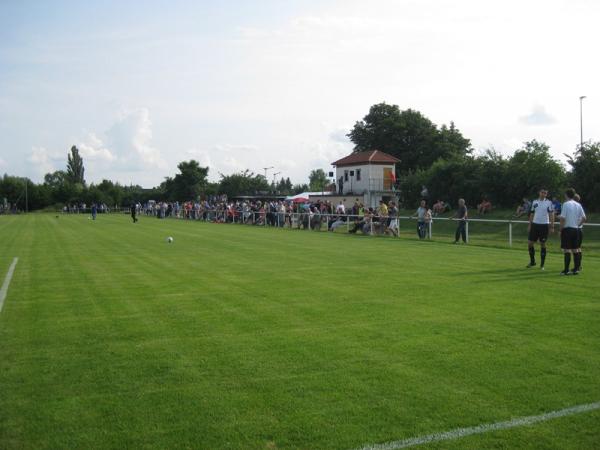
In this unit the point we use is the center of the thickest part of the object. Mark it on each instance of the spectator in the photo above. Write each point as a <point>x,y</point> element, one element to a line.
<point>462,216</point>
<point>393,220</point>
<point>523,208</point>
<point>439,207</point>
<point>484,207</point>
<point>557,205</point>
<point>420,215</point>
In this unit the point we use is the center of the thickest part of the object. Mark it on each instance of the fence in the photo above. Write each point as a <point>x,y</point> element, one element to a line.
<point>497,230</point>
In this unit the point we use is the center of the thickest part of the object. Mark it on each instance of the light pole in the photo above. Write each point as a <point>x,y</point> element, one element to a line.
<point>265,169</point>
<point>274,175</point>
<point>581,120</point>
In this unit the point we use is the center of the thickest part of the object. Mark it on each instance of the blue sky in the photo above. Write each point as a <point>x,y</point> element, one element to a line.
<point>141,86</point>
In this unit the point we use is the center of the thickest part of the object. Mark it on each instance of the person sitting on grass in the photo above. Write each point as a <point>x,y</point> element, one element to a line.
<point>439,207</point>
<point>484,207</point>
<point>523,208</point>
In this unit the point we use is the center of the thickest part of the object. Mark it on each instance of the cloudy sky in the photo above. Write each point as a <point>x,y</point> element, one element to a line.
<point>139,86</point>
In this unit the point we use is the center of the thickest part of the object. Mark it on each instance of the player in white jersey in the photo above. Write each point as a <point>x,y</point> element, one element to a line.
<point>572,217</point>
<point>541,221</point>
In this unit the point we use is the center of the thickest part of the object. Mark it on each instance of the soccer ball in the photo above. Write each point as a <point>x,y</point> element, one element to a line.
<point>169,239</point>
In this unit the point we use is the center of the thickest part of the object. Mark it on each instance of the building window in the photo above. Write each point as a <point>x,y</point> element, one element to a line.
<point>345,175</point>
<point>357,174</point>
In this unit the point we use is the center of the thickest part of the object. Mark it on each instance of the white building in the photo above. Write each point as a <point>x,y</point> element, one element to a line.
<point>369,174</point>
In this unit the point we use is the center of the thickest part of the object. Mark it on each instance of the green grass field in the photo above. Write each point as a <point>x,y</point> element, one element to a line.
<point>240,337</point>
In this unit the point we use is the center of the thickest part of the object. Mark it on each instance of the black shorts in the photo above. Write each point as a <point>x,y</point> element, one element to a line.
<point>539,232</point>
<point>569,239</point>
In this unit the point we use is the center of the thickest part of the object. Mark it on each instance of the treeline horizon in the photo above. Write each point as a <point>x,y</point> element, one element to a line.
<point>439,158</point>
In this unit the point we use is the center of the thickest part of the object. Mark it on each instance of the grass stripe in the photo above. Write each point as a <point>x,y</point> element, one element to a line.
<point>480,429</point>
<point>4,289</point>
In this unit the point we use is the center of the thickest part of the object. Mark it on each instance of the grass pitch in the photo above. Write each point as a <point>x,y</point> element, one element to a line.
<point>239,337</point>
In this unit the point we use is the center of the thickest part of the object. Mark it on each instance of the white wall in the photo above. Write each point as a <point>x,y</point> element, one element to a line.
<point>368,171</point>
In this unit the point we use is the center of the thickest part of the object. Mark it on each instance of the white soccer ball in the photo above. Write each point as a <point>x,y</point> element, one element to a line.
<point>169,239</point>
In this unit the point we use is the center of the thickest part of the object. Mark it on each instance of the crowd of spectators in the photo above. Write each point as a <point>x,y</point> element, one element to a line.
<point>281,213</point>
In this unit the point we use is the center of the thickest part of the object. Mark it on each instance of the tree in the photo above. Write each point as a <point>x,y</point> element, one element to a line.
<point>531,168</point>
<point>585,174</point>
<point>242,183</point>
<point>284,186</point>
<point>75,168</point>
<point>407,135</point>
<point>317,180</point>
<point>188,184</point>
<point>57,184</point>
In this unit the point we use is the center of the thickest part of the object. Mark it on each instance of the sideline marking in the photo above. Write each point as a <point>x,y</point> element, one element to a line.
<point>4,289</point>
<point>479,429</point>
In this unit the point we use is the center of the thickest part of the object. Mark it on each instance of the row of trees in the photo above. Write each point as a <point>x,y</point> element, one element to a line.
<point>64,187</point>
<point>441,159</point>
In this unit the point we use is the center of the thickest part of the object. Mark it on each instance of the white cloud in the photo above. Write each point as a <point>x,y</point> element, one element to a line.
<point>538,116</point>
<point>226,158</point>
<point>43,160</point>
<point>340,135</point>
<point>92,148</point>
<point>3,163</point>
<point>130,141</point>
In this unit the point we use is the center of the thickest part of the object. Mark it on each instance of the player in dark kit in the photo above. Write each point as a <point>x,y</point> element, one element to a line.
<point>133,209</point>
<point>541,221</point>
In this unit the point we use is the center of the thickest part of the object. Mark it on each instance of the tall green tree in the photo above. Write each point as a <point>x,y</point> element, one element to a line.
<point>585,174</point>
<point>242,183</point>
<point>188,184</point>
<point>317,180</point>
<point>409,136</point>
<point>531,168</point>
<point>284,186</point>
<point>75,169</point>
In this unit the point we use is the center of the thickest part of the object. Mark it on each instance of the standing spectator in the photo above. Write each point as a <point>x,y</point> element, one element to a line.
<point>94,211</point>
<point>420,215</point>
<point>541,220</point>
<point>382,215</point>
<point>557,206</point>
<point>571,219</point>
<point>393,219</point>
<point>462,216</point>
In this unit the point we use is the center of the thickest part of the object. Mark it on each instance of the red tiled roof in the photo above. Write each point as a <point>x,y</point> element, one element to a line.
<point>370,157</point>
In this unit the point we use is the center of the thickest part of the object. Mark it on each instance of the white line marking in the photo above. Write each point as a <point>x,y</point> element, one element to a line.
<point>479,429</point>
<point>4,289</point>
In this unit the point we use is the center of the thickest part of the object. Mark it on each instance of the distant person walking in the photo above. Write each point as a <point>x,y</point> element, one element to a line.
<point>133,209</point>
<point>541,222</point>
<point>94,211</point>
<point>572,218</point>
<point>462,216</point>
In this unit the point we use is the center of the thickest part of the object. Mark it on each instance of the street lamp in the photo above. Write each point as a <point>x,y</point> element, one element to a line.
<point>265,169</point>
<point>274,175</point>
<point>581,120</point>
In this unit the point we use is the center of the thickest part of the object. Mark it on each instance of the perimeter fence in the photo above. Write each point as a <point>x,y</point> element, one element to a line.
<point>491,232</point>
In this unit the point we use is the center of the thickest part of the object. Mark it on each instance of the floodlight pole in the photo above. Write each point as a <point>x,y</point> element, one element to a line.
<point>265,169</point>
<point>581,120</point>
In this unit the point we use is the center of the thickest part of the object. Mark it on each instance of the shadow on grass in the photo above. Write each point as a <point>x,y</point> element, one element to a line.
<point>507,274</point>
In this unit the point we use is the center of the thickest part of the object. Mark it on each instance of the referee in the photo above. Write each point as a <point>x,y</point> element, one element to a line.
<point>541,221</point>
<point>572,218</point>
